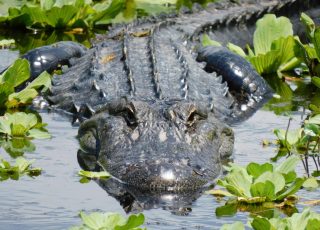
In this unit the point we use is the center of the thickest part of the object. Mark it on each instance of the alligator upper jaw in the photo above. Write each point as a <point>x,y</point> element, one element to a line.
<point>132,199</point>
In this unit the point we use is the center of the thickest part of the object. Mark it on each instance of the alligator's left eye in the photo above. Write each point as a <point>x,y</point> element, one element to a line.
<point>129,115</point>
<point>194,116</point>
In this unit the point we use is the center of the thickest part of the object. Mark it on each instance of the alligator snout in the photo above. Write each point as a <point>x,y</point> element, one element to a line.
<point>161,175</point>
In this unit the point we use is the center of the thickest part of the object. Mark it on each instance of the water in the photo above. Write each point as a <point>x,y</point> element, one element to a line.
<point>54,199</point>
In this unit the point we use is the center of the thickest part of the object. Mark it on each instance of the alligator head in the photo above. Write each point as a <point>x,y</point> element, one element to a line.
<point>157,145</point>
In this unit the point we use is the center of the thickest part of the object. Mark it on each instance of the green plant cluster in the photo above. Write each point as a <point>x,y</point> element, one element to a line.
<point>110,221</point>
<point>14,172</point>
<point>276,49</point>
<point>261,186</point>
<point>84,14</point>
<point>18,125</point>
<point>307,220</point>
<point>303,141</point>
<point>15,124</point>
<point>261,183</point>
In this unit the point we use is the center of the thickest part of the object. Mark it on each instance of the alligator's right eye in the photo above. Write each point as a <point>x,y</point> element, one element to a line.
<point>129,116</point>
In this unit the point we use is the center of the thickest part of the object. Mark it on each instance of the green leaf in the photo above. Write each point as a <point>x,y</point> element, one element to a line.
<point>296,185</point>
<point>6,42</point>
<point>311,129</point>
<point>94,220</point>
<point>94,175</point>
<point>133,222</point>
<point>281,52</point>
<point>104,17</point>
<point>292,136</point>
<point>255,169</point>
<point>206,41</point>
<point>290,177</point>
<point>226,210</point>
<point>266,63</point>
<point>18,130</point>
<point>316,41</point>
<point>39,134</point>
<point>263,189</point>
<point>110,221</point>
<point>270,28</point>
<point>275,178</point>
<point>23,97</point>
<point>236,49</point>
<point>309,25</point>
<point>60,17</point>
<point>313,224</point>
<point>236,225</point>
<point>42,81</point>
<point>21,124</point>
<point>239,180</point>
<point>313,120</point>
<point>288,165</point>
<point>16,74</point>
<point>21,167</point>
<point>17,146</point>
<point>316,81</point>
<point>5,90</point>
<point>260,223</point>
<point>310,183</point>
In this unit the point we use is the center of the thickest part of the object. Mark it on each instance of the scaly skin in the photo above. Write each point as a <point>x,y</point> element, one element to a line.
<point>155,115</point>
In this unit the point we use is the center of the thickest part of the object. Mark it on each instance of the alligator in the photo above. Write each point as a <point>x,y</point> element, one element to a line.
<point>154,107</point>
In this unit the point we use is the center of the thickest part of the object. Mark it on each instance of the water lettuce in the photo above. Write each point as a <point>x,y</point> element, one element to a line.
<point>14,172</point>
<point>110,221</point>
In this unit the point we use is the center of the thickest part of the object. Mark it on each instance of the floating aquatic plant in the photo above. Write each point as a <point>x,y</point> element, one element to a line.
<point>110,221</point>
<point>14,172</point>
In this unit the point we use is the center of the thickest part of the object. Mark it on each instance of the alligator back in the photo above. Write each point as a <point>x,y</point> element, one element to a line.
<point>153,59</point>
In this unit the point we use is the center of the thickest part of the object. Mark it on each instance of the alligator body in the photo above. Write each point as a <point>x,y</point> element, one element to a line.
<point>154,117</point>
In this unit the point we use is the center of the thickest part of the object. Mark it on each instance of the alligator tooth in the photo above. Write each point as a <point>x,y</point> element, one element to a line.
<point>86,111</point>
<point>75,108</point>
<point>95,86</point>
<point>226,90</point>
<point>102,94</point>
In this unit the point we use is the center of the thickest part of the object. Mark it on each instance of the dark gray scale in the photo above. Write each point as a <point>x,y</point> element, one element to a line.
<point>203,86</point>
<point>99,78</point>
<point>71,83</point>
<point>109,70</point>
<point>71,75</point>
<point>169,71</point>
<point>139,66</point>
